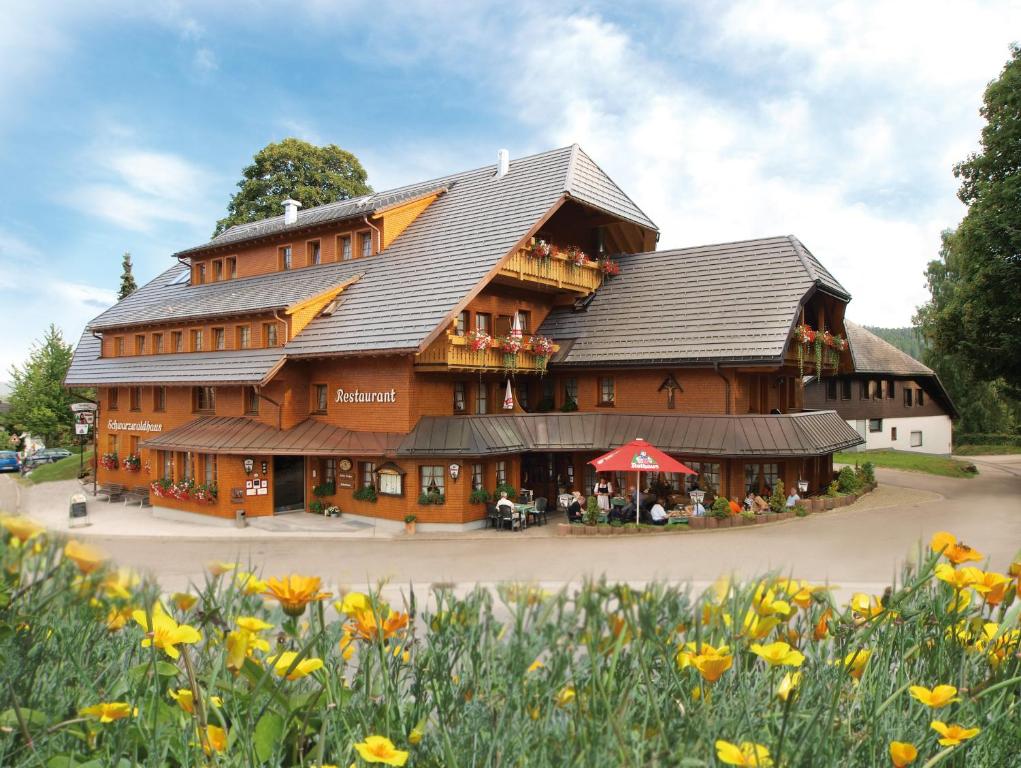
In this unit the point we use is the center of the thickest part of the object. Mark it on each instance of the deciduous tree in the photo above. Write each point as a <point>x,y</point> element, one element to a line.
<point>39,402</point>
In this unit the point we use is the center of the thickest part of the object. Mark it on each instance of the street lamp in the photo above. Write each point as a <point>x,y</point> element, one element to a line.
<point>697,496</point>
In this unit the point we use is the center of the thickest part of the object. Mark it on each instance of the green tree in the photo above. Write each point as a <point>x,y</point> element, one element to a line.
<point>975,284</point>
<point>128,284</point>
<point>39,402</point>
<point>296,169</point>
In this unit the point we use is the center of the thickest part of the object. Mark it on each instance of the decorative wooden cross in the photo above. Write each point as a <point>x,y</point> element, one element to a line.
<point>670,385</point>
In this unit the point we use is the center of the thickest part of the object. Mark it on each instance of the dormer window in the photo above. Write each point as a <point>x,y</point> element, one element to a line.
<point>315,255</point>
<point>200,273</point>
<point>217,271</point>
<point>232,268</point>
<point>365,243</point>
<point>285,258</point>
<point>344,247</point>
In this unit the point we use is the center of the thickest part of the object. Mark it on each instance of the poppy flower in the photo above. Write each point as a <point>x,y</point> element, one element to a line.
<point>86,557</point>
<point>778,654</point>
<point>21,528</point>
<point>747,753</point>
<point>284,665</point>
<point>379,749</point>
<point>108,711</point>
<point>955,551</point>
<point>294,592</point>
<point>165,633</point>
<point>953,734</point>
<point>902,753</point>
<point>937,697</point>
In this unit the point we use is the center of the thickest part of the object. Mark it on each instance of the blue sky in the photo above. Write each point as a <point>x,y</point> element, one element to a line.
<point>124,126</point>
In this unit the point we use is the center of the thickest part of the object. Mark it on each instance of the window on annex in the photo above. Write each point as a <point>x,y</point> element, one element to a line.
<point>893,434</point>
<point>708,477</point>
<point>135,398</point>
<point>432,478</point>
<point>244,336</point>
<point>368,474</point>
<point>314,254</point>
<point>391,480</point>
<point>522,395</point>
<point>460,397</point>
<point>483,322</point>
<point>217,270</point>
<point>188,462</point>
<point>157,343</point>
<point>831,389</point>
<point>118,346</point>
<point>269,335</point>
<point>607,391</point>
<point>111,444</point>
<point>571,391</point>
<point>209,468</point>
<point>478,476</point>
<point>501,472</point>
<point>319,398</point>
<point>284,257</point>
<point>865,389</point>
<point>875,425</point>
<point>200,273</point>
<point>112,396</point>
<point>232,267</point>
<point>845,389</point>
<point>140,344</point>
<point>908,396</point>
<point>159,399</point>
<point>482,399</point>
<point>204,399</point>
<point>344,247</point>
<point>196,341</point>
<point>167,465</point>
<point>365,243</point>
<point>890,389</point>
<point>133,441</point>
<point>920,397</point>
<point>219,339</point>
<point>461,323</point>
<point>177,341</point>
<point>329,469</point>
<point>916,440</point>
<point>760,478</point>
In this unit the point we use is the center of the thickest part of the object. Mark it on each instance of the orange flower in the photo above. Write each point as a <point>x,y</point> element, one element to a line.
<point>365,624</point>
<point>294,592</point>
<point>955,551</point>
<point>902,753</point>
<point>822,627</point>
<point>86,557</point>
<point>21,528</point>
<point>953,734</point>
<point>938,697</point>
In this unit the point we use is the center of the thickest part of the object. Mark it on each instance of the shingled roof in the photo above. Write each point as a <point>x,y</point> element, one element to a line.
<point>872,354</point>
<point>714,303</point>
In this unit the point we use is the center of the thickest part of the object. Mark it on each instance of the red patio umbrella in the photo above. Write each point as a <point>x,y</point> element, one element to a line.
<point>639,456</point>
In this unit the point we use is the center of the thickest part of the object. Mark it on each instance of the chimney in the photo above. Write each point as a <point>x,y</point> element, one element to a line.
<point>503,163</point>
<point>291,211</point>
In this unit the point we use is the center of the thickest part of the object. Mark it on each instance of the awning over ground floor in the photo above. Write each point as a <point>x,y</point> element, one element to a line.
<point>812,433</point>
<point>236,435</point>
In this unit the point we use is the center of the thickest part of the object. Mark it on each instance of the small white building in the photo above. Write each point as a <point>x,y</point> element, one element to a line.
<point>892,400</point>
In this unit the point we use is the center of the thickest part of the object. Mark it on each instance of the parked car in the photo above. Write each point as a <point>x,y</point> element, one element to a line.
<point>9,462</point>
<point>46,456</point>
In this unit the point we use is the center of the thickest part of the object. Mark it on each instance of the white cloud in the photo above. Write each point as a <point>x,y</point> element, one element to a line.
<point>204,61</point>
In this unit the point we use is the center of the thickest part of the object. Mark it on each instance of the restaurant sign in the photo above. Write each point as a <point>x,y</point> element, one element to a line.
<point>133,426</point>
<point>357,396</point>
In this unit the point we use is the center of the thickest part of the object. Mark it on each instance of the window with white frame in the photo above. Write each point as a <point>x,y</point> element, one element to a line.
<point>368,476</point>
<point>391,481</point>
<point>478,476</point>
<point>432,478</point>
<point>501,472</point>
<point>875,425</point>
<point>916,439</point>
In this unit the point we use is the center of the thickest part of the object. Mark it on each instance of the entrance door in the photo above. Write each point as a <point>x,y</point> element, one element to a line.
<point>288,483</point>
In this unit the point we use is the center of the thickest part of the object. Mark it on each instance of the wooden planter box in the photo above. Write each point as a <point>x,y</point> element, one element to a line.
<point>761,519</point>
<point>696,523</point>
<point>711,523</point>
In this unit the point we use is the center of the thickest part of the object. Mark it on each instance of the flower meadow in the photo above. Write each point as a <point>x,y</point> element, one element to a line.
<point>101,668</point>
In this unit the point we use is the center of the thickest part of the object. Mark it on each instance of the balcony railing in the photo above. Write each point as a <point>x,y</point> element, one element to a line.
<point>815,352</point>
<point>555,271</point>
<point>452,352</point>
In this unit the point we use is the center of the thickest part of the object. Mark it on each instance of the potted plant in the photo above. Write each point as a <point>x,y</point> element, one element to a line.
<point>539,249</point>
<point>479,496</point>
<point>109,461</point>
<point>366,493</point>
<point>778,501</point>
<point>132,463</point>
<point>697,522</point>
<point>800,510</point>
<point>747,517</point>
<point>316,507</point>
<point>205,494</point>
<point>591,511</point>
<point>324,489</point>
<point>332,511</point>
<point>608,267</point>
<point>409,523</point>
<point>542,348</point>
<point>507,488</point>
<point>719,515</point>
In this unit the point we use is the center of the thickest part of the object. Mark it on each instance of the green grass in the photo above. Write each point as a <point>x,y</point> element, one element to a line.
<point>912,462</point>
<point>65,469</point>
<point>985,450</point>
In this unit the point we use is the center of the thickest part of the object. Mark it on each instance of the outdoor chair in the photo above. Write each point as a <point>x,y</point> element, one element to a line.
<point>140,494</point>
<point>512,519</point>
<point>493,516</point>
<point>542,510</point>
<point>112,491</point>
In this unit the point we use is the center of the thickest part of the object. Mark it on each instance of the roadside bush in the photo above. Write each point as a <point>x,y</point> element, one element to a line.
<point>868,472</point>
<point>242,671</point>
<point>366,493</point>
<point>800,510</point>
<point>479,496</point>
<point>720,509</point>
<point>591,511</point>
<point>778,498</point>
<point>848,481</point>
<point>832,489</point>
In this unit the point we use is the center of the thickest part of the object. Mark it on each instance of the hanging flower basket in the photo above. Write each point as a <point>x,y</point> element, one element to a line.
<point>542,348</point>
<point>109,461</point>
<point>132,463</point>
<point>609,267</point>
<point>510,346</point>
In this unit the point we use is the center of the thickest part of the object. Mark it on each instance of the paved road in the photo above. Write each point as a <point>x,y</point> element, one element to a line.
<point>861,545</point>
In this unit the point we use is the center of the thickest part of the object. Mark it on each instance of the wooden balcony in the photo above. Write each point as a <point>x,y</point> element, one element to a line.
<point>554,273</point>
<point>452,353</point>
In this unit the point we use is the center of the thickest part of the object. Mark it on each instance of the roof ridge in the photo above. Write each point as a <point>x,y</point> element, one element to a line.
<point>609,178</point>
<point>800,249</point>
<point>569,176</point>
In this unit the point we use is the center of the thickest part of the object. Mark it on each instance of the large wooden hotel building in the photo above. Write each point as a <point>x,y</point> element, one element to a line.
<point>359,354</point>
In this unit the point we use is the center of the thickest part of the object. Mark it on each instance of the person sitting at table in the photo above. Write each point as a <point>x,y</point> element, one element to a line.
<point>793,499</point>
<point>575,507</point>
<point>735,508</point>
<point>504,503</point>
<point>749,501</point>
<point>761,505</point>
<point>657,513</point>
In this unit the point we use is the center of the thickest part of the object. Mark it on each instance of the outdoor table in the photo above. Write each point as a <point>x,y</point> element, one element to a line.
<point>524,510</point>
<point>618,501</point>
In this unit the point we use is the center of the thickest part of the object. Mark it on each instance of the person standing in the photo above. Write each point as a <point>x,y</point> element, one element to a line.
<point>603,490</point>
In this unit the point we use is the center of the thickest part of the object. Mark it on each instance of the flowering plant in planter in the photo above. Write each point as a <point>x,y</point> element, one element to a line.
<point>182,490</point>
<point>542,348</point>
<point>539,249</point>
<point>479,341</point>
<point>804,334</point>
<point>109,461</point>
<point>132,463</point>
<point>205,494</point>
<point>161,487</point>
<point>575,256</point>
<point>510,346</point>
<point>609,267</point>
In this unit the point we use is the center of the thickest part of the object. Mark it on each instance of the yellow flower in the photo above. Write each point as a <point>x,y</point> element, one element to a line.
<point>992,587</point>
<point>955,551</point>
<point>537,664</point>
<point>765,603</point>
<point>165,633</point>
<point>118,584</point>
<point>219,567</point>
<point>759,627</point>
<point>21,528</point>
<point>777,654</point>
<point>565,696</point>
<point>294,592</point>
<point>713,664</point>
<point>938,697</point>
<point>415,737</point>
<point>902,753</point>
<point>117,618</point>
<point>748,753</point>
<point>284,662</point>
<point>346,645</point>
<point>865,607</point>
<point>855,662</point>
<point>953,734</point>
<point>379,749</point>
<point>354,602</point>
<point>253,624</point>
<point>108,711</point>
<point>788,685</point>
<point>186,699</point>
<point>249,583</point>
<point>216,739</point>
<point>86,557</point>
<point>183,600</point>
<point>958,578</point>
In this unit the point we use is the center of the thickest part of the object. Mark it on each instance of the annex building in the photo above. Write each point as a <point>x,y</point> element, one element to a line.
<point>404,351</point>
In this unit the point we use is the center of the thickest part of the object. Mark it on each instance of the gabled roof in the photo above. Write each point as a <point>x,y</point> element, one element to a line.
<point>871,354</point>
<point>714,303</point>
<point>812,433</point>
<point>247,366</point>
<point>587,182</point>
